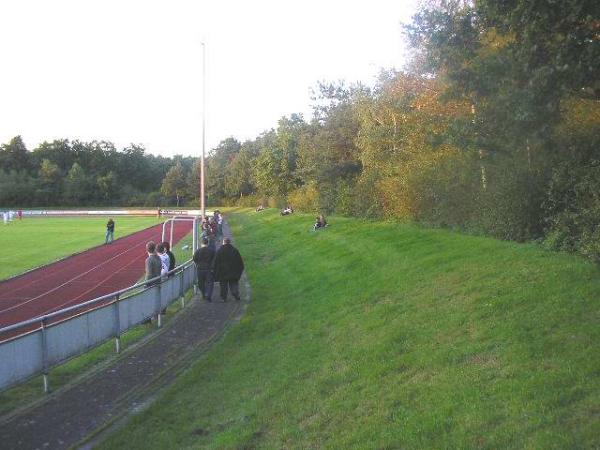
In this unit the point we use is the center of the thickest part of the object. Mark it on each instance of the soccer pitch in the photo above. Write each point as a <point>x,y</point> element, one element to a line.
<point>33,242</point>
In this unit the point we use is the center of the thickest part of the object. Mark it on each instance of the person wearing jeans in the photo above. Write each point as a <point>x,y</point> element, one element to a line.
<point>110,231</point>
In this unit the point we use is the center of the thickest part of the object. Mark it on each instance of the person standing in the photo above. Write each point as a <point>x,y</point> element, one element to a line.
<point>170,254</point>
<point>110,231</point>
<point>212,230</point>
<point>204,259</point>
<point>229,266</point>
<point>164,260</point>
<point>153,264</point>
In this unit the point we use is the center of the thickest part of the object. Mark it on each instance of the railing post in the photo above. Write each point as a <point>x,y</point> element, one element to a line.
<point>181,287</point>
<point>45,368</point>
<point>157,305</point>
<point>172,229</point>
<point>117,325</point>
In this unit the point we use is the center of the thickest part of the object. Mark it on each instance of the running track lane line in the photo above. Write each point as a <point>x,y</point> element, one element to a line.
<point>57,307</point>
<point>16,306</point>
<point>122,278</point>
<point>49,273</point>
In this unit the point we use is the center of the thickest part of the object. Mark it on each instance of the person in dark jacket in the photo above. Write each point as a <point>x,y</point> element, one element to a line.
<point>228,269</point>
<point>204,259</point>
<point>110,231</point>
<point>152,264</point>
<point>170,254</point>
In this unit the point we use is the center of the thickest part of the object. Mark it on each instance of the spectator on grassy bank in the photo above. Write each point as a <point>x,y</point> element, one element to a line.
<point>320,223</point>
<point>204,259</point>
<point>229,266</point>
<point>110,231</point>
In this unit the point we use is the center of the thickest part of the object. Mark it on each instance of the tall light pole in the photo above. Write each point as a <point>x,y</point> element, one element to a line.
<point>202,202</point>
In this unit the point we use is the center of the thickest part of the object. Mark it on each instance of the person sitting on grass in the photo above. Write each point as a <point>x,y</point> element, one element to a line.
<point>320,223</point>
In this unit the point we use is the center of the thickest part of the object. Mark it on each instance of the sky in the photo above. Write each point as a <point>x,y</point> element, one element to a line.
<point>131,71</point>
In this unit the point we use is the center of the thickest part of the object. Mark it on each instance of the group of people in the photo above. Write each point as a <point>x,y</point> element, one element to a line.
<point>160,261</point>
<point>212,229</point>
<point>8,216</point>
<point>223,265</point>
<point>319,223</point>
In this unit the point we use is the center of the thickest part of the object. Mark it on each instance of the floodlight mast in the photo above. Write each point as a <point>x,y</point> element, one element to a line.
<point>202,198</point>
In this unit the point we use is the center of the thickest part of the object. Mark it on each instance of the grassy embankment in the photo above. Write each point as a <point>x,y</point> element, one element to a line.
<point>34,242</point>
<point>30,391</point>
<point>378,335</point>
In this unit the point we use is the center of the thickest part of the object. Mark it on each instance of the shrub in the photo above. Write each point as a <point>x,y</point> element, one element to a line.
<point>305,198</point>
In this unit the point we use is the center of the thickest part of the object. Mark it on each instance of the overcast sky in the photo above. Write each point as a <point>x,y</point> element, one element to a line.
<point>130,71</point>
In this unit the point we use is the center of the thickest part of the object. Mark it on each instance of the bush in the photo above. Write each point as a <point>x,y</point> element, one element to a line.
<point>305,198</point>
<point>573,208</point>
<point>511,206</point>
<point>250,201</point>
<point>153,199</point>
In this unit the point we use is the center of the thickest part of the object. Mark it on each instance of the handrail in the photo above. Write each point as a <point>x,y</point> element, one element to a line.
<point>46,317</point>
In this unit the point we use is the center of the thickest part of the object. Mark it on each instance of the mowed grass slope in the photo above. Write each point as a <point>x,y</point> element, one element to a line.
<point>379,335</point>
<point>33,242</point>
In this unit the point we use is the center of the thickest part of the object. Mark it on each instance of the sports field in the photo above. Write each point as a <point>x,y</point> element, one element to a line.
<point>33,242</point>
<point>89,274</point>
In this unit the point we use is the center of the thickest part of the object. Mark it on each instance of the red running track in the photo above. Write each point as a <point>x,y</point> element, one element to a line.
<point>81,277</point>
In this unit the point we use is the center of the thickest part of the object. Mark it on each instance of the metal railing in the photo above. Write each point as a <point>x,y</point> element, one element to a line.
<point>34,346</point>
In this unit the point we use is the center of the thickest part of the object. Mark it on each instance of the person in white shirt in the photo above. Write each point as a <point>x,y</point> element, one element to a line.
<point>164,260</point>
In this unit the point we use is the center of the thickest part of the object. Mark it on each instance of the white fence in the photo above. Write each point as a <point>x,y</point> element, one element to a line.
<point>34,346</point>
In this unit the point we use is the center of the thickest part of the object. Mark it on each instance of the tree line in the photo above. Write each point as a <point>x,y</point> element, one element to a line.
<point>64,173</point>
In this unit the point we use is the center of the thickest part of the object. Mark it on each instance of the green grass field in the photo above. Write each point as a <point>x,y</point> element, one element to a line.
<point>34,242</point>
<point>379,335</point>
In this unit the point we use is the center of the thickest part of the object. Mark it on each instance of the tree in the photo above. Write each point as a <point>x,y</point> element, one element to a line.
<point>239,176</point>
<point>14,156</point>
<point>109,187</point>
<point>49,182</point>
<point>174,183</point>
<point>216,167</point>
<point>77,185</point>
